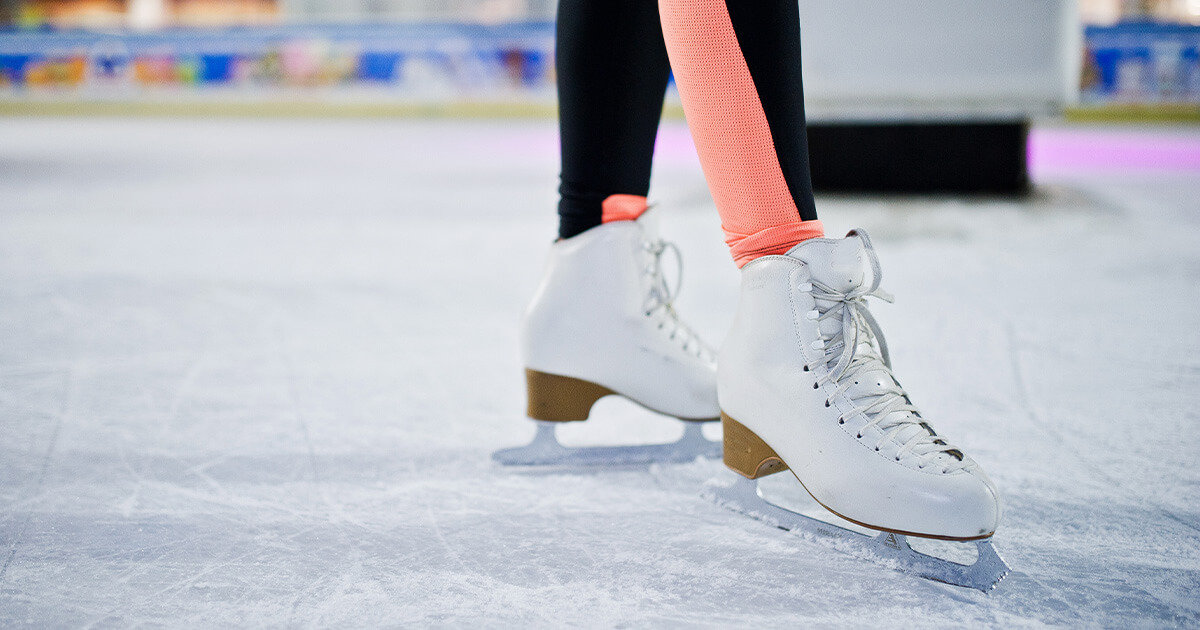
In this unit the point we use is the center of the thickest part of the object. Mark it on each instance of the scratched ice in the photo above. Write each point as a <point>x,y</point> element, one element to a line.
<point>251,373</point>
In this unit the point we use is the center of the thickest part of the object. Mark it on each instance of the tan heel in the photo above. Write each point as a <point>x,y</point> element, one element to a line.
<point>554,398</point>
<point>746,453</point>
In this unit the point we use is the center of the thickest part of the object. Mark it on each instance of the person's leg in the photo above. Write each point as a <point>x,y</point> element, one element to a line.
<point>804,376</point>
<point>737,66</point>
<point>612,74</point>
<point>602,321</point>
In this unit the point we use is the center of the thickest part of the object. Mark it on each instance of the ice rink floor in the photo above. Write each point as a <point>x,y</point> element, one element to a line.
<point>251,372</point>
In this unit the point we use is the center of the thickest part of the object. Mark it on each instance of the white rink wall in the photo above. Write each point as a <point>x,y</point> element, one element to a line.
<point>939,59</point>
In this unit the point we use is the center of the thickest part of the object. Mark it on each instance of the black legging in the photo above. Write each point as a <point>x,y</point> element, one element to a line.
<point>612,74</point>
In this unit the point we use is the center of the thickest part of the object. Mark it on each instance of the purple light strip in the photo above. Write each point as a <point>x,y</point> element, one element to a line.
<point>1077,151</point>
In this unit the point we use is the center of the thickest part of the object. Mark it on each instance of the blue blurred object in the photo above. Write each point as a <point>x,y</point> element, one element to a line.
<point>381,67</point>
<point>216,68</point>
<point>12,68</point>
<point>1141,62</point>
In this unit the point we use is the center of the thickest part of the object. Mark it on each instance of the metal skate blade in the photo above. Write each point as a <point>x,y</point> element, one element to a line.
<point>737,493</point>
<point>545,450</point>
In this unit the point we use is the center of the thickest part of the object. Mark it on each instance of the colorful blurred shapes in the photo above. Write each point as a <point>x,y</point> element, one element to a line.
<point>462,57</point>
<point>67,71</point>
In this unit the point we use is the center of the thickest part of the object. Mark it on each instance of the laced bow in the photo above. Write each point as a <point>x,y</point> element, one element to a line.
<point>886,407</point>
<point>661,296</point>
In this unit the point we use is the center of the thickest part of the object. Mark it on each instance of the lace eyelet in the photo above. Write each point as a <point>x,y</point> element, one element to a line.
<point>814,385</point>
<point>843,421</point>
<point>897,459</point>
<point>826,403</point>
<point>806,368</point>
<point>859,436</point>
<point>876,449</point>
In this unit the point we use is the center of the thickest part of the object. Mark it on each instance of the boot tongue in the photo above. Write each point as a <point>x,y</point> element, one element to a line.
<point>836,263</point>
<point>648,221</point>
<point>841,265</point>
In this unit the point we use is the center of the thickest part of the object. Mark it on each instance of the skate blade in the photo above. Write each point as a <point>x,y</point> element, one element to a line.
<point>545,450</point>
<point>740,494</point>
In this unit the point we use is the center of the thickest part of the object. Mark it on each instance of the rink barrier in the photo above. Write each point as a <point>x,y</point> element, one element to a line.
<point>501,64</point>
<point>283,109</point>
<point>430,59</point>
<point>1161,113</point>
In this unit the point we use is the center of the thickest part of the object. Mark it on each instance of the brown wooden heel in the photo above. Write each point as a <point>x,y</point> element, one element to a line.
<point>554,398</point>
<point>746,453</point>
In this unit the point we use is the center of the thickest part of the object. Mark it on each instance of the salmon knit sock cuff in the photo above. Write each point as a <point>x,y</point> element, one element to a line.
<point>771,241</point>
<point>623,208</point>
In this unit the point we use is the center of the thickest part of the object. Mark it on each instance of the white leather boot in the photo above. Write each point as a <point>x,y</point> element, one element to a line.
<point>602,323</point>
<point>805,385</point>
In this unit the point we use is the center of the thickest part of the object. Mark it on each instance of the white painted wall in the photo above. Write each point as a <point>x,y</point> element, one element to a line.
<point>934,59</point>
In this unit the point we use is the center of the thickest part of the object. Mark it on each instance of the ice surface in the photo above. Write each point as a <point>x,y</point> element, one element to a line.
<point>251,373</point>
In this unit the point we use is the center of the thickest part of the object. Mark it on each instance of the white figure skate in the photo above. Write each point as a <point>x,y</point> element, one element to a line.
<point>806,385</point>
<point>602,323</point>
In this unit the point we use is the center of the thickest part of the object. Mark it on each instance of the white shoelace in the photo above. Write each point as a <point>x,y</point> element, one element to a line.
<point>887,408</point>
<point>660,298</point>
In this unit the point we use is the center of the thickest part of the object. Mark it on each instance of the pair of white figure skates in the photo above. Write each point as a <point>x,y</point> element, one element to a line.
<point>803,385</point>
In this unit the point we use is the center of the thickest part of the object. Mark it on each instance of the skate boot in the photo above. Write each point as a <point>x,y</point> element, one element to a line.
<point>806,385</point>
<point>602,323</point>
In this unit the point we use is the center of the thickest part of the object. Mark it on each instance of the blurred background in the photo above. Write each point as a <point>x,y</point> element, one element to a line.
<point>262,264</point>
<point>1122,53</point>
